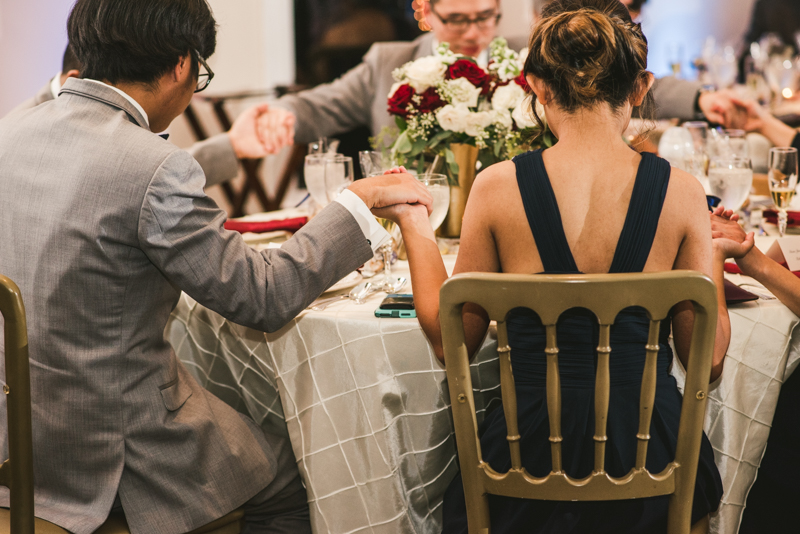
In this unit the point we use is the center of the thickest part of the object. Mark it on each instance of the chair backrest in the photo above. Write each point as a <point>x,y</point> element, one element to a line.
<point>605,295</point>
<point>16,472</point>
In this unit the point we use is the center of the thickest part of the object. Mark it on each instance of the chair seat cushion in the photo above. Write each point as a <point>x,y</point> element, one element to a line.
<point>41,526</point>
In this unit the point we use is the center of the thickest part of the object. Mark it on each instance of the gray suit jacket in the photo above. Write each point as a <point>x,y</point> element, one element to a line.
<point>102,225</point>
<point>215,155</point>
<point>359,97</point>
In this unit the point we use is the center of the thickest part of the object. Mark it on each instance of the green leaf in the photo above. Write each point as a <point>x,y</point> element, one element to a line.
<point>418,147</point>
<point>498,146</point>
<point>421,165</point>
<point>403,144</point>
<point>439,137</point>
<point>451,162</point>
<point>401,123</point>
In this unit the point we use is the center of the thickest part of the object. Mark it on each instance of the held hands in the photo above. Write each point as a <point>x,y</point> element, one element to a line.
<point>396,196</point>
<point>722,107</point>
<point>728,238</point>
<point>261,130</point>
<point>276,129</point>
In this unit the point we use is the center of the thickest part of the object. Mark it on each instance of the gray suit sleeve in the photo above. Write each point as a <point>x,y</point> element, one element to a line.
<point>335,107</point>
<point>216,157</point>
<point>181,232</point>
<point>675,98</point>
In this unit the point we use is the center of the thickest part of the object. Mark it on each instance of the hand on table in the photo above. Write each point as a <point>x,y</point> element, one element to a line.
<point>385,194</point>
<point>728,238</point>
<point>276,129</point>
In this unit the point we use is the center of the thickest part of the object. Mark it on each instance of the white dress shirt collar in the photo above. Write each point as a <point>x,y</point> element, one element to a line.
<point>128,98</point>
<point>55,84</point>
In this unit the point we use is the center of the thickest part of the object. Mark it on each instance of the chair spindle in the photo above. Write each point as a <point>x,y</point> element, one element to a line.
<point>648,393</point>
<point>509,394</point>
<point>602,389</point>
<point>554,397</point>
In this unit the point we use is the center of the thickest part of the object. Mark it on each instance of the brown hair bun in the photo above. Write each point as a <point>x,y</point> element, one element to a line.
<point>588,52</point>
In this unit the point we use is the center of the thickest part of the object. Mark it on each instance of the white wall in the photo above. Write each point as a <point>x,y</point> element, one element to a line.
<point>517,18</point>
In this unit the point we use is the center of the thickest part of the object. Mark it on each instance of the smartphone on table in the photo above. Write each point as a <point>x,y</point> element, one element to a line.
<point>397,305</point>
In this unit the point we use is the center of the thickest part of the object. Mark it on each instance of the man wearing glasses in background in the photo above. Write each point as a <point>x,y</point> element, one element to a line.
<point>359,97</point>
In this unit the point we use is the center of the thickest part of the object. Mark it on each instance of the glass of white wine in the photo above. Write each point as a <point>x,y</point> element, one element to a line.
<point>782,177</point>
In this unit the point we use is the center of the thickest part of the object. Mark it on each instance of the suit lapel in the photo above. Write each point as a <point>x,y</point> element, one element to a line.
<point>105,94</point>
<point>424,46</point>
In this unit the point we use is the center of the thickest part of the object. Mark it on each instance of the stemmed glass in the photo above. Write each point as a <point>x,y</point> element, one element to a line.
<point>782,177</point>
<point>440,191</point>
<point>338,175</point>
<point>695,161</point>
<point>730,178</point>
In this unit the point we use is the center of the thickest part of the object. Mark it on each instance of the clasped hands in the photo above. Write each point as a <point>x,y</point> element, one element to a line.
<point>261,130</point>
<point>729,240</point>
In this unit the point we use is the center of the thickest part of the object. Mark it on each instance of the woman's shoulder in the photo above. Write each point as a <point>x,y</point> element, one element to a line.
<point>685,192</point>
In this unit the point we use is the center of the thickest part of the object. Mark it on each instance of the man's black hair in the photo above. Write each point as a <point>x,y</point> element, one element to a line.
<point>138,41</point>
<point>70,61</point>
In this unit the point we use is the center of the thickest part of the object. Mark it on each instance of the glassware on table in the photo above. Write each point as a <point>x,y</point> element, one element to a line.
<point>338,175</point>
<point>730,178</point>
<point>696,158</point>
<point>675,57</point>
<point>782,176</point>
<point>314,173</point>
<point>373,163</point>
<point>439,189</point>
<point>320,146</point>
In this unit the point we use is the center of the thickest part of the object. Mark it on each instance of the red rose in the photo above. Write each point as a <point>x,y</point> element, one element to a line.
<point>399,101</point>
<point>431,101</point>
<point>464,68</point>
<point>522,82</point>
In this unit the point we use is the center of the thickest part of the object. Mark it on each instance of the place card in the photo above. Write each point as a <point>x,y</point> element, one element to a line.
<point>786,249</point>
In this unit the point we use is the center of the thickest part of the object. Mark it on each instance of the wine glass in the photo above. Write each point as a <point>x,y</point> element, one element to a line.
<point>372,162</point>
<point>439,189</point>
<point>782,177</point>
<point>314,172</point>
<point>338,175</point>
<point>730,178</point>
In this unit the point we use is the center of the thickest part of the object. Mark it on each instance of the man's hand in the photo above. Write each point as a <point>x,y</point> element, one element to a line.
<point>728,238</point>
<point>721,107</point>
<point>276,129</point>
<point>244,133</point>
<point>394,187</point>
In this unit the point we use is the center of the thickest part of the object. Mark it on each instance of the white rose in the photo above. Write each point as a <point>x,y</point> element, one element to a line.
<point>507,97</point>
<point>523,55</point>
<point>503,119</point>
<point>477,122</point>
<point>540,111</point>
<point>461,92</point>
<point>523,116</point>
<point>453,118</point>
<point>425,72</point>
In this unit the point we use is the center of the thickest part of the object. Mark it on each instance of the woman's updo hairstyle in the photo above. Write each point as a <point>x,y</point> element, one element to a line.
<point>587,52</point>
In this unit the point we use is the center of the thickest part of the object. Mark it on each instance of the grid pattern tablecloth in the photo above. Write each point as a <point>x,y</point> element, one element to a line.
<point>365,404</point>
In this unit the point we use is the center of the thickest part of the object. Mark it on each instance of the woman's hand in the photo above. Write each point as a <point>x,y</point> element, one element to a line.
<point>728,238</point>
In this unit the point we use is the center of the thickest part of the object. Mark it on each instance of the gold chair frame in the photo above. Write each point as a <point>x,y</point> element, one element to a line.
<point>550,296</point>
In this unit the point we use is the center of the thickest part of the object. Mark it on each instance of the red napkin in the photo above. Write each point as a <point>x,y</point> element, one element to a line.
<point>292,225</point>
<point>732,268</point>
<point>792,217</point>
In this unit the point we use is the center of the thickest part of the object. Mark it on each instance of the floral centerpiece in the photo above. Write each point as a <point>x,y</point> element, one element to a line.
<point>447,99</point>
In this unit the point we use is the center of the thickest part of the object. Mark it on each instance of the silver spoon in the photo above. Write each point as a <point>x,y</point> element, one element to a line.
<point>357,294</point>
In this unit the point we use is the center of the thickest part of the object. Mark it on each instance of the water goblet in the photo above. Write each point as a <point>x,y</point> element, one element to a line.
<point>730,178</point>
<point>439,189</point>
<point>314,173</point>
<point>782,176</point>
<point>372,162</point>
<point>338,175</point>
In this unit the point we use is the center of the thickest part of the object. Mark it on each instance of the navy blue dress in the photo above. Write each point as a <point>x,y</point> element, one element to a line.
<point>578,338</point>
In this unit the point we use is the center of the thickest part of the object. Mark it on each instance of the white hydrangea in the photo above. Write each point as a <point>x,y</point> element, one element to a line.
<point>453,118</point>
<point>425,72</point>
<point>445,54</point>
<point>503,119</point>
<point>507,97</point>
<point>461,92</point>
<point>523,55</point>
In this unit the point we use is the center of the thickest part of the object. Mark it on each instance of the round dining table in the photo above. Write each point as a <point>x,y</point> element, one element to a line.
<point>365,403</point>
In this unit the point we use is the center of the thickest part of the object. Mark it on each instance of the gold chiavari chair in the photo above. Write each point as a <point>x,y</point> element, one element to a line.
<point>605,295</point>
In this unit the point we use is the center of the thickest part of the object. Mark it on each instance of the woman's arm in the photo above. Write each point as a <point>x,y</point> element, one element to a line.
<point>476,254</point>
<point>697,253</point>
<point>781,283</point>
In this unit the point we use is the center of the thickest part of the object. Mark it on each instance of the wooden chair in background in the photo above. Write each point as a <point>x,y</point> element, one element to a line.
<point>605,295</point>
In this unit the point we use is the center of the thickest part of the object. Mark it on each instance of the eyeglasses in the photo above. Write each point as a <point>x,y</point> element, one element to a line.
<point>460,24</point>
<point>203,78</point>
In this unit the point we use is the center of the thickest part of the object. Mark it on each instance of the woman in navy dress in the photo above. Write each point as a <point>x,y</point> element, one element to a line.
<point>589,204</point>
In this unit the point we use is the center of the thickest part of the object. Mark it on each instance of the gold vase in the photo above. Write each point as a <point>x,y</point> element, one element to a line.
<point>466,158</point>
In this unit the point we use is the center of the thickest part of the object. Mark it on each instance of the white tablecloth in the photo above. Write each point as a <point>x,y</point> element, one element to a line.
<point>365,404</point>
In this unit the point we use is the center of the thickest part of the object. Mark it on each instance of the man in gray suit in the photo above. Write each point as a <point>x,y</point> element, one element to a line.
<point>218,155</point>
<point>102,224</point>
<point>359,97</point>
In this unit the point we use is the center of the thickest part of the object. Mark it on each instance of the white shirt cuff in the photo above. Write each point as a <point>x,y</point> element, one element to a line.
<point>374,233</point>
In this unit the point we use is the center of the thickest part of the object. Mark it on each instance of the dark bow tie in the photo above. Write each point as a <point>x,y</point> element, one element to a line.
<point>164,136</point>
